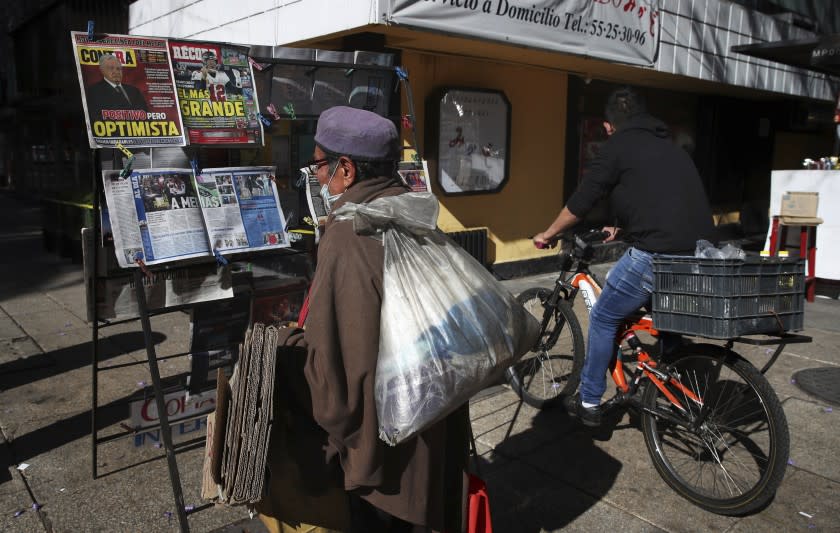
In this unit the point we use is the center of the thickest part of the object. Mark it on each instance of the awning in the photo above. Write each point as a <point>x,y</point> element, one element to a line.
<point>819,54</point>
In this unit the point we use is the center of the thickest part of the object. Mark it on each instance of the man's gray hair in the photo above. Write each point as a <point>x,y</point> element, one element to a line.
<point>107,57</point>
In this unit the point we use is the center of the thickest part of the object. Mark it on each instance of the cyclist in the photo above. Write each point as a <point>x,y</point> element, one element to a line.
<point>656,193</point>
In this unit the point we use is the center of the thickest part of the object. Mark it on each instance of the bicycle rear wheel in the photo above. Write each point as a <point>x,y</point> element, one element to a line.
<point>733,462</point>
<point>552,369</point>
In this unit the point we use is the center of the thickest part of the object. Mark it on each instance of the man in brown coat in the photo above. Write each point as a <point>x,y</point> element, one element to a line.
<point>329,368</point>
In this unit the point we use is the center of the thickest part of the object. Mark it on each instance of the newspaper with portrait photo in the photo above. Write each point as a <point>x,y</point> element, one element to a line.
<point>127,91</point>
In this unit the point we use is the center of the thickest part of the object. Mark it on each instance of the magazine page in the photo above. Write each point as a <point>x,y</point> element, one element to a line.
<point>241,209</point>
<point>415,174</point>
<point>155,216</point>
<point>117,296</point>
<point>215,87</point>
<point>128,91</point>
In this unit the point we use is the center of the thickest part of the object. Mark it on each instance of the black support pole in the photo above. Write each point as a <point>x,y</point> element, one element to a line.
<point>94,258</point>
<point>165,429</point>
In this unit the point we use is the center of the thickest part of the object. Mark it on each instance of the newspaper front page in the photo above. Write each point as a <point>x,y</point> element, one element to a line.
<point>215,86</point>
<point>128,91</point>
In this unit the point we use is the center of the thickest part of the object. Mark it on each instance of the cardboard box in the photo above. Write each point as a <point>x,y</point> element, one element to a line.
<point>799,204</point>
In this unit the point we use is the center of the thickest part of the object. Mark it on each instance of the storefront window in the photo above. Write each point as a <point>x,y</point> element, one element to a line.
<point>473,141</point>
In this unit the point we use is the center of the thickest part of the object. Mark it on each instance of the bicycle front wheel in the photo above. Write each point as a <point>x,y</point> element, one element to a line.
<point>552,369</point>
<point>727,453</point>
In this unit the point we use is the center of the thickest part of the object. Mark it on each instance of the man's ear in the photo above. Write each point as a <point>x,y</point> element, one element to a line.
<point>348,171</point>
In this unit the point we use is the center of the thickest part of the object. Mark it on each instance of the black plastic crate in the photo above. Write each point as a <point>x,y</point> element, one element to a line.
<point>726,298</point>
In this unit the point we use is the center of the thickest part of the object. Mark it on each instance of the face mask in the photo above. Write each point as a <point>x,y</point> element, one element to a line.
<point>329,199</point>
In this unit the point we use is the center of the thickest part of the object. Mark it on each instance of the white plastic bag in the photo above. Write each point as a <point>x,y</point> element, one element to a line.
<point>448,328</point>
<point>707,250</point>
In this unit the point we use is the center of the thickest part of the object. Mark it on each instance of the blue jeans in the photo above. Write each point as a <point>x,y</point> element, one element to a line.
<point>629,286</point>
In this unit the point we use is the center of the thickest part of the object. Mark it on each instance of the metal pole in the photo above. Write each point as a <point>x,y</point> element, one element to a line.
<point>165,429</point>
<point>94,367</point>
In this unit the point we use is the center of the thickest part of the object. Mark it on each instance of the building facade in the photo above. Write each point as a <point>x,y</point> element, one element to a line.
<point>739,117</point>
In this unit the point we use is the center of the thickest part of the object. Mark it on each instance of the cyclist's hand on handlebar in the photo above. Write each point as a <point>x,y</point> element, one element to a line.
<point>543,240</point>
<point>611,232</point>
<point>591,236</point>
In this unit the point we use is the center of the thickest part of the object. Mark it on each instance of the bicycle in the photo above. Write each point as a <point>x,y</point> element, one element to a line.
<point>712,424</point>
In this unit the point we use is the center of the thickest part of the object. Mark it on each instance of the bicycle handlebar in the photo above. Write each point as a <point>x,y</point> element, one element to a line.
<point>579,240</point>
<point>593,235</point>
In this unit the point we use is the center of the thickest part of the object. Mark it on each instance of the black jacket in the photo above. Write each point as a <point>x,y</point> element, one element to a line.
<point>102,95</point>
<point>656,192</point>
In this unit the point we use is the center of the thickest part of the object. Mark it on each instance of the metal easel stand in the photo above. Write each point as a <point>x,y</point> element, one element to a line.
<point>165,428</point>
<point>144,317</point>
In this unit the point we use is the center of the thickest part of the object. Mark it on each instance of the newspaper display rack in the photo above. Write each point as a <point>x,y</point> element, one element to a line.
<point>179,234</point>
<point>196,283</point>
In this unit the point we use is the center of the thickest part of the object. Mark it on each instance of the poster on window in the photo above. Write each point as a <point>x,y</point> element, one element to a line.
<point>215,86</point>
<point>128,91</point>
<point>473,140</point>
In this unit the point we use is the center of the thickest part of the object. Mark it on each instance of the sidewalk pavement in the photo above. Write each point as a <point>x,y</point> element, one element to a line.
<point>544,472</point>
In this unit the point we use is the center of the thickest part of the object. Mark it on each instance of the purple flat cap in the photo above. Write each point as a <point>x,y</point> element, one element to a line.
<point>357,133</point>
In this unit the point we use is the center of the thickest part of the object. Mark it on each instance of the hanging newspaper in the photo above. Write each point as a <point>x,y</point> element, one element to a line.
<point>156,215</point>
<point>241,209</point>
<point>116,297</point>
<point>127,91</point>
<point>216,92</point>
<point>415,174</point>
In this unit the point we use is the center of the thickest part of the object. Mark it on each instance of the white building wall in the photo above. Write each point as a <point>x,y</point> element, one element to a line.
<point>695,39</point>
<point>254,22</point>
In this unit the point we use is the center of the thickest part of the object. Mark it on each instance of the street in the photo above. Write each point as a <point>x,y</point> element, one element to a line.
<point>544,471</point>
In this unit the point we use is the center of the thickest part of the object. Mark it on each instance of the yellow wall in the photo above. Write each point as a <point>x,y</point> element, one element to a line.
<point>533,194</point>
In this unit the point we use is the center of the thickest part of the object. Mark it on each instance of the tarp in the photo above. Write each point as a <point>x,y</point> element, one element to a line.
<point>818,54</point>
<point>625,31</point>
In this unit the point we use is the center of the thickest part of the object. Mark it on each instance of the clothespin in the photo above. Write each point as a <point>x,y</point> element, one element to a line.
<point>126,171</point>
<point>273,110</point>
<point>289,109</point>
<point>219,257</point>
<point>143,268</point>
<point>195,166</point>
<point>90,30</point>
<point>258,66</point>
<point>401,74</point>
<point>407,123</point>
<point>264,119</point>
<point>124,150</point>
<point>309,222</point>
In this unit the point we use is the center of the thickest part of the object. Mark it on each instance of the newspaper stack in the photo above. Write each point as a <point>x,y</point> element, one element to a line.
<point>238,432</point>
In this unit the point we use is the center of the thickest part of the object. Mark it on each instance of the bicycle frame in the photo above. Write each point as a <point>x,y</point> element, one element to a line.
<point>584,282</point>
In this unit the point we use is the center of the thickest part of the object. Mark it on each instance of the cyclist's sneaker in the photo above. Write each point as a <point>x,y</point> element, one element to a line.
<point>589,416</point>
